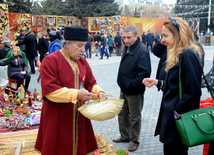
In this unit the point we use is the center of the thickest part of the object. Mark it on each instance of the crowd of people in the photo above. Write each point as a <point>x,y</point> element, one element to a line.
<point>63,127</point>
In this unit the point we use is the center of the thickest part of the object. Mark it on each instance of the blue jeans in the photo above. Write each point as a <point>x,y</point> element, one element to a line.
<point>118,50</point>
<point>20,78</point>
<point>103,51</point>
<point>88,47</point>
<point>98,49</point>
<point>84,55</point>
<point>149,44</point>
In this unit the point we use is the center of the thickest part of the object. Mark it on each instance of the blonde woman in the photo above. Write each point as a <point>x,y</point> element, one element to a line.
<point>183,52</point>
<point>17,67</point>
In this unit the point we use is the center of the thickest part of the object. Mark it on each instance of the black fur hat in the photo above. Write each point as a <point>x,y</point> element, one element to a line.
<point>76,33</point>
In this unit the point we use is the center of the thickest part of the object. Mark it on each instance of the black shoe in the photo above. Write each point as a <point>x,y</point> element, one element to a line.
<point>107,57</point>
<point>96,55</point>
<point>100,58</point>
<point>32,72</point>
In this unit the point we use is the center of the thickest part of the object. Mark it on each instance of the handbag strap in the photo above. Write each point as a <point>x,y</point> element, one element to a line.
<point>204,76</point>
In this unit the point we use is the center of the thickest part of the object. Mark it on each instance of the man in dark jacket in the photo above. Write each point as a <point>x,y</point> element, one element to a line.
<point>97,41</point>
<point>144,40</point>
<point>103,45</point>
<point>30,42</point>
<point>20,38</point>
<point>150,39</point>
<point>42,46</point>
<point>118,42</point>
<point>135,65</point>
<point>5,49</point>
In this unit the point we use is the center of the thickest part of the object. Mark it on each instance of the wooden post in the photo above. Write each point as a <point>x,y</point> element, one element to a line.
<point>18,149</point>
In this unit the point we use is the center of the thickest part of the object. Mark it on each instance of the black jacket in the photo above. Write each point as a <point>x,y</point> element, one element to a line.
<point>191,91</point>
<point>134,67</point>
<point>20,38</point>
<point>150,38</point>
<point>42,46</point>
<point>97,38</point>
<point>103,41</point>
<point>160,51</point>
<point>144,39</point>
<point>30,42</point>
<point>4,51</point>
<point>118,40</point>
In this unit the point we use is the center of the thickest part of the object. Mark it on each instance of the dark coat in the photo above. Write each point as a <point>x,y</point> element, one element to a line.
<point>30,42</point>
<point>134,67</point>
<point>191,91</point>
<point>20,38</point>
<point>42,46</point>
<point>4,51</point>
<point>97,38</point>
<point>117,40</point>
<point>144,39</point>
<point>160,51</point>
<point>103,41</point>
<point>150,38</point>
<point>157,37</point>
<point>14,68</point>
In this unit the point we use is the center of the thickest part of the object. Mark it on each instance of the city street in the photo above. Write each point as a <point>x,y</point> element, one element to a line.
<point>105,72</point>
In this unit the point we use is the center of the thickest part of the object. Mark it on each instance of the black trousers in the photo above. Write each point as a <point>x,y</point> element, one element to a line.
<point>211,149</point>
<point>21,78</point>
<point>32,67</point>
<point>175,149</point>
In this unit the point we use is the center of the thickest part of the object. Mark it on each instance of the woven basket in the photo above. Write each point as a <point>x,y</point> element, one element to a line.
<point>102,110</point>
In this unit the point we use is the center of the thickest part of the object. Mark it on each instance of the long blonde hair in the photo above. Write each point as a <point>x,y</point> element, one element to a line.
<point>17,48</point>
<point>183,39</point>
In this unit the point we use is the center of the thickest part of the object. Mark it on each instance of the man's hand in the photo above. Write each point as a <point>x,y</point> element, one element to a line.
<point>23,72</point>
<point>84,95</point>
<point>102,96</point>
<point>149,82</point>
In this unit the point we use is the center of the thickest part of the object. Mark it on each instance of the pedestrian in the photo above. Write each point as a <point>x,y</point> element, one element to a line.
<point>17,67</point>
<point>118,42</point>
<point>20,38</point>
<point>30,42</point>
<point>157,37</point>
<point>106,47</point>
<point>67,82</point>
<point>144,39</point>
<point>135,65</point>
<point>88,45</point>
<point>56,42</point>
<point>103,45</point>
<point>42,46</point>
<point>183,53</point>
<point>110,44</point>
<point>150,40</point>
<point>97,41</point>
<point>5,49</point>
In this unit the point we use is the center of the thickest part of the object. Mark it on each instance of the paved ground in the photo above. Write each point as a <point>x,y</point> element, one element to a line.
<point>105,71</point>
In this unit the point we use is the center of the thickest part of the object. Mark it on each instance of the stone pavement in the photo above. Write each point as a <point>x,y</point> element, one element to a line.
<point>105,72</point>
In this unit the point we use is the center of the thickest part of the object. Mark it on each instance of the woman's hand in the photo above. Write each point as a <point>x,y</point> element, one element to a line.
<point>149,82</point>
<point>23,72</point>
<point>102,96</point>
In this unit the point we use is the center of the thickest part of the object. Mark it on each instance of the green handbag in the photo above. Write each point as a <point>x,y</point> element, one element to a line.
<point>197,126</point>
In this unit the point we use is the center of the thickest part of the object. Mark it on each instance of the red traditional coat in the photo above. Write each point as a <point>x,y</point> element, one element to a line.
<point>62,130</point>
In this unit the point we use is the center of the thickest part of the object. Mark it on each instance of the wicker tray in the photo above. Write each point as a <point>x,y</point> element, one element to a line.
<point>102,110</point>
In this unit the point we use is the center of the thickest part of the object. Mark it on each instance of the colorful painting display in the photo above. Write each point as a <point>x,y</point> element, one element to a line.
<point>84,22</point>
<point>4,29</point>
<point>117,27</point>
<point>76,22</point>
<point>69,21</point>
<point>95,26</point>
<point>39,21</point>
<point>51,21</point>
<point>116,19</point>
<point>105,21</point>
<point>103,30</point>
<point>109,29</point>
<point>61,21</point>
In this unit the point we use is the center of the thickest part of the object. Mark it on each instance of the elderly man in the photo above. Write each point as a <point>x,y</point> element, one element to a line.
<point>67,82</point>
<point>42,46</point>
<point>134,67</point>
